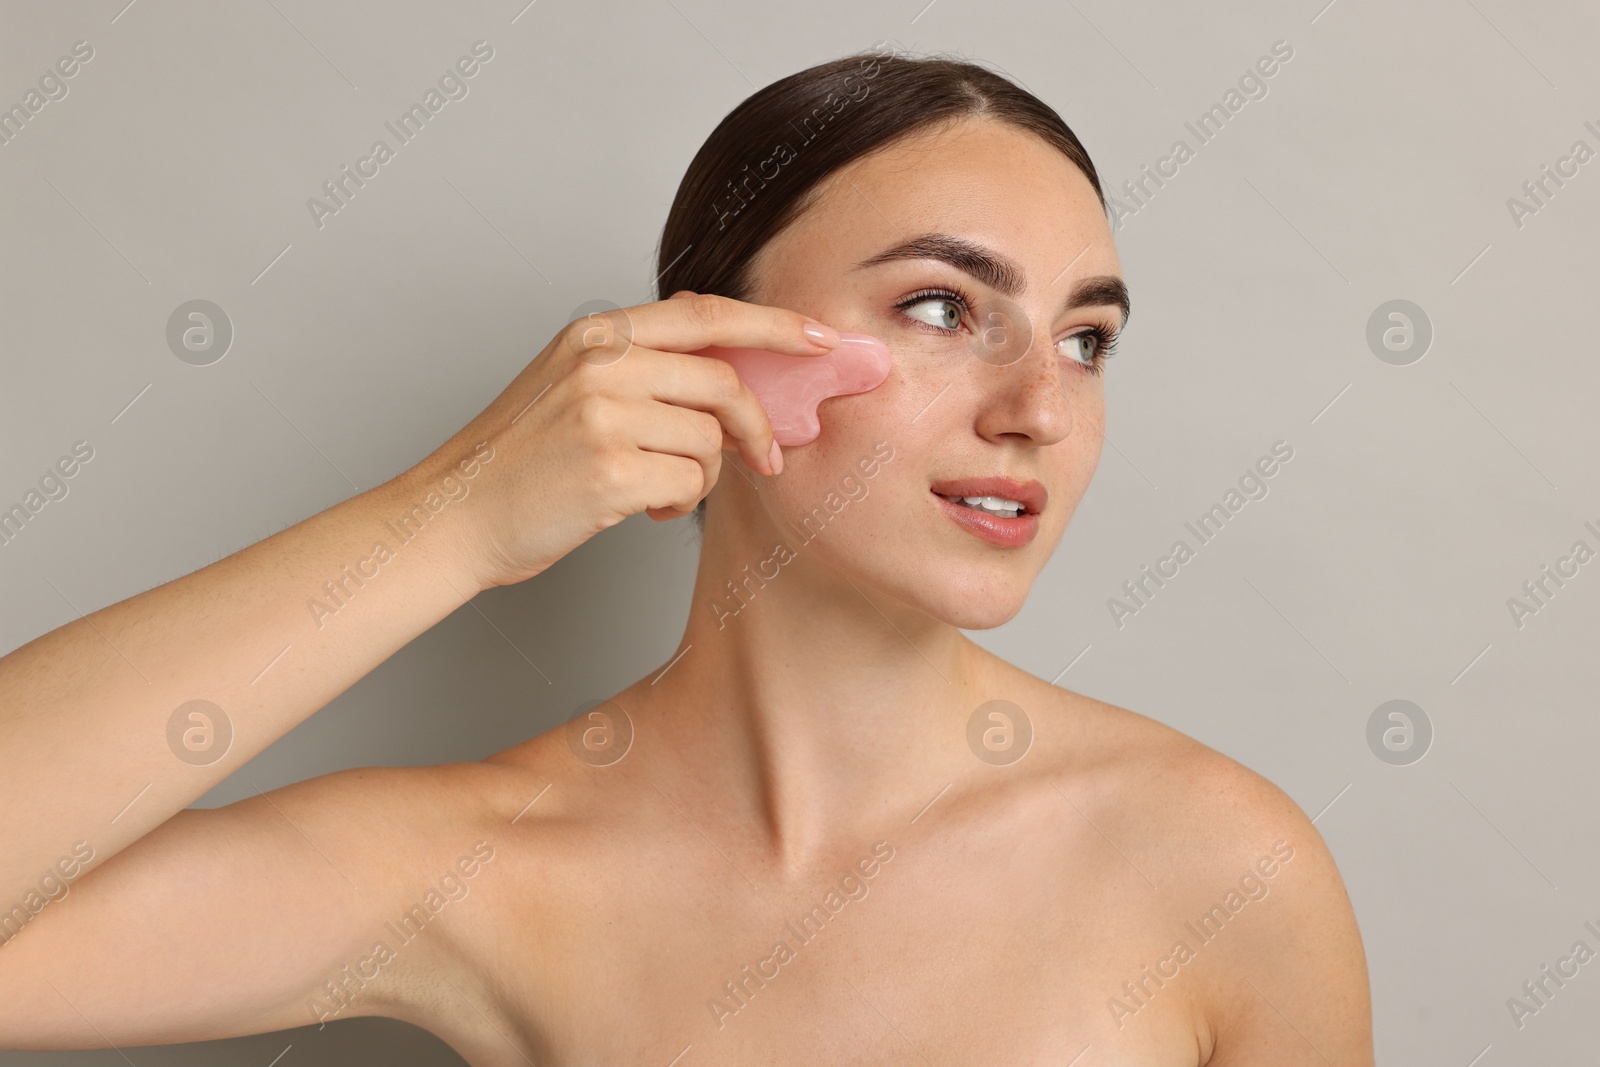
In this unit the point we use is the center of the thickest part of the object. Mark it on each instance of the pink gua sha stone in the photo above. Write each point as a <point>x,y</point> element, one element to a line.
<point>791,387</point>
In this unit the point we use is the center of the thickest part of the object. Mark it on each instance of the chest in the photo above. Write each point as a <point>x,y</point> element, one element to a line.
<point>1013,948</point>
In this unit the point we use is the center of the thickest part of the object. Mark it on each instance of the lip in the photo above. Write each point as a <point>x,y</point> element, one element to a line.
<point>1029,494</point>
<point>995,529</point>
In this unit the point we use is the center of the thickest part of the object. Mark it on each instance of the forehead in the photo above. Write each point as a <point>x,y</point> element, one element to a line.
<point>985,180</point>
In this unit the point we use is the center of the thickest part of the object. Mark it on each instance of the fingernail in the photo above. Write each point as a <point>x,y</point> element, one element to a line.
<point>775,459</point>
<point>818,334</point>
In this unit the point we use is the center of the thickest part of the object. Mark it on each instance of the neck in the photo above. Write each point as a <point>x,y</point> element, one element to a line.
<point>809,705</point>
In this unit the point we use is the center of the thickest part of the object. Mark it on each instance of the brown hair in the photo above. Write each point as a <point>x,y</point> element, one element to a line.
<point>760,168</point>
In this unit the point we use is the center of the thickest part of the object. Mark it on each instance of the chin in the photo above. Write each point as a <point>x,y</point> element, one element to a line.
<point>950,588</point>
<point>967,614</point>
<point>972,597</point>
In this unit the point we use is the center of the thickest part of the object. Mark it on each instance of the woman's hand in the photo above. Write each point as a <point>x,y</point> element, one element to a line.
<point>616,416</point>
<point>612,418</point>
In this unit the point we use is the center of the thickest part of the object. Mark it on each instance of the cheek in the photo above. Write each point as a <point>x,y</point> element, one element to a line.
<point>811,471</point>
<point>1089,425</point>
<point>1070,463</point>
<point>867,416</point>
<point>854,429</point>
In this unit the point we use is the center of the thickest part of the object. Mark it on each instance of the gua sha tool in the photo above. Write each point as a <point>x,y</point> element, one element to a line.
<point>791,387</point>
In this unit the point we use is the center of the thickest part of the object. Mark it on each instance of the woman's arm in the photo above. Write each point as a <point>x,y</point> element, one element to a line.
<point>95,749</point>
<point>328,899</point>
<point>1292,985</point>
<point>112,724</point>
<point>1299,991</point>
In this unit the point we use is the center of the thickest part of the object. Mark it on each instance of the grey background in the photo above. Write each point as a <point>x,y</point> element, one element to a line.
<point>1378,167</point>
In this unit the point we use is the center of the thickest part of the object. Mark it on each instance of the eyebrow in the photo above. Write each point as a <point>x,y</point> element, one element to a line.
<point>1000,273</point>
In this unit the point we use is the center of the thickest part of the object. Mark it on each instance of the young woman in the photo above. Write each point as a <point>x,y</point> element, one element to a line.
<point>830,829</point>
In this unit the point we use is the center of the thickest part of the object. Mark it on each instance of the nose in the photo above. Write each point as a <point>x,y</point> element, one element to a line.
<point>1025,390</point>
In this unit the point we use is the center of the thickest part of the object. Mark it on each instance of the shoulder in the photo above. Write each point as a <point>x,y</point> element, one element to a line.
<point>1241,875</point>
<point>1164,782</point>
<point>1200,819</point>
<point>1193,803</point>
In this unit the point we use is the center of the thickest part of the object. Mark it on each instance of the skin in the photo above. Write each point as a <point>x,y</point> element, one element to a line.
<point>818,733</point>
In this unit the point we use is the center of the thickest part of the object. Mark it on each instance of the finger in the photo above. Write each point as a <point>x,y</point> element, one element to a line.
<point>674,484</point>
<point>713,386</point>
<point>670,430</point>
<point>688,322</point>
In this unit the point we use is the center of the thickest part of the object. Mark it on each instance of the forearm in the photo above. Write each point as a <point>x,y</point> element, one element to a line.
<point>93,746</point>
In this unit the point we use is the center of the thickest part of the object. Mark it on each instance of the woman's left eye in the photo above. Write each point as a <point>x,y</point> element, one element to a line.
<point>1080,347</point>
<point>948,318</point>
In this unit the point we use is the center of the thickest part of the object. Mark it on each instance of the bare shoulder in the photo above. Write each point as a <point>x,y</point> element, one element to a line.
<point>1161,783</point>
<point>1242,875</point>
<point>1165,782</point>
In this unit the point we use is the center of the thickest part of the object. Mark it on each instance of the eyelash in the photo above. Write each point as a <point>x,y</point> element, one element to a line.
<point>1105,340</point>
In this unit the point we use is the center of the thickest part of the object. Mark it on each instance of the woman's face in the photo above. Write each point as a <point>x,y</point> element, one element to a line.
<point>1000,383</point>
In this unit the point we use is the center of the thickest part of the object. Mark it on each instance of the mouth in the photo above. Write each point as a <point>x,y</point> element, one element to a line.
<point>1001,511</point>
<point>991,505</point>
